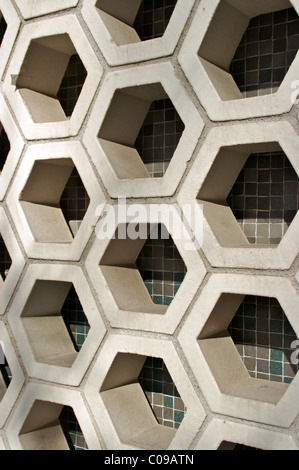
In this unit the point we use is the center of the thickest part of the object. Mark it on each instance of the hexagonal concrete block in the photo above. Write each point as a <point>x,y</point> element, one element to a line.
<point>119,406</point>
<point>116,279</point>
<point>111,24</point>
<point>215,361</point>
<point>209,181</point>
<point>8,285</point>
<point>34,199</point>
<point>42,337</point>
<point>9,395</point>
<point>31,83</point>
<point>116,119</point>
<point>8,12</point>
<point>207,52</point>
<point>32,8</point>
<point>34,423</point>
<point>224,434</point>
<point>16,146</point>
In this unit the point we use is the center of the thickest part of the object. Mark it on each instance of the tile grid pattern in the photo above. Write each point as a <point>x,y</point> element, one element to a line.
<point>265,197</point>
<point>153,17</point>
<point>266,52</point>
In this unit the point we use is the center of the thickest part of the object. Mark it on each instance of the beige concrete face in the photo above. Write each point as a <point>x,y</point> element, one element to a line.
<point>109,392</point>
<point>119,41</point>
<point>221,433</point>
<point>213,358</point>
<point>8,286</point>
<point>112,127</point>
<point>41,335</point>
<point>33,425</point>
<point>36,191</point>
<point>34,8</point>
<point>9,395</point>
<point>216,166</point>
<point>119,286</point>
<point>37,109</point>
<point>16,147</point>
<point>13,22</point>
<point>208,49</point>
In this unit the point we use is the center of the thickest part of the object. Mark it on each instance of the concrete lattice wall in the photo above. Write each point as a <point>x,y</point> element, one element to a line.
<point>185,343</point>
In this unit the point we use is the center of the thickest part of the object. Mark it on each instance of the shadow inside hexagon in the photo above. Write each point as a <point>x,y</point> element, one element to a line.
<point>224,360</point>
<point>54,323</point>
<point>54,200</point>
<point>45,428</point>
<point>244,50</point>
<point>4,147</point>
<point>3,27</point>
<point>5,373</point>
<point>135,21</point>
<point>227,445</point>
<point>42,85</point>
<point>5,261</point>
<point>128,402</point>
<point>250,195</point>
<point>140,132</point>
<point>144,274</point>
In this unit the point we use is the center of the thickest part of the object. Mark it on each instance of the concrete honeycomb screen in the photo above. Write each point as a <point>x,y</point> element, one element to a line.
<point>149,227</point>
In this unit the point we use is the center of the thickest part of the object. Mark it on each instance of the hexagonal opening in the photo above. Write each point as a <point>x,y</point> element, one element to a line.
<point>137,20</point>
<point>161,266</point>
<point>5,260</point>
<point>224,360</point>
<point>3,27</point>
<point>5,372</point>
<point>45,427</point>
<point>264,337</point>
<point>4,147</point>
<point>265,197</point>
<point>140,132</point>
<point>39,82</point>
<point>146,283</point>
<point>52,307</point>
<point>266,52</point>
<point>54,200</point>
<point>250,195</point>
<point>266,49</point>
<point>128,405</point>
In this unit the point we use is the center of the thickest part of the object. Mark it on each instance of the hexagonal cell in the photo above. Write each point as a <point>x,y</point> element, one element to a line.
<point>53,200</point>
<point>214,357</point>
<point>5,260</point>
<point>264,337</point>
<point>140,132</point>
<point>262,197</point>
<point>143,277</point>
<point>129,408</point>
<point>45,326</point>
<point>265,38</point>
<point>264,62</point>
<point>230,373</point>
<point>161,266</point>
<point>265,197</point>
<point>39,82</point>
<point>266,52</point>
<point>47,427</point>
<point>140,20</point>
